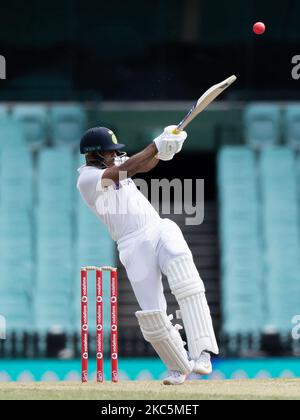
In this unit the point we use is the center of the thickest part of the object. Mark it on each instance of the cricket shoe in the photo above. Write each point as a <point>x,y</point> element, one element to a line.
<point>174,378</point>
<point>203,365</point>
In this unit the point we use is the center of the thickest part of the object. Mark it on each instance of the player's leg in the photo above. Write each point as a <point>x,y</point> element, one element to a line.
<point>143,271</point>
<point>177,263</point>
<point>165,338</point>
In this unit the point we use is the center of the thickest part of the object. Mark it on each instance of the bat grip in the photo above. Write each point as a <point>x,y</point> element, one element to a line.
<point>176,131</point>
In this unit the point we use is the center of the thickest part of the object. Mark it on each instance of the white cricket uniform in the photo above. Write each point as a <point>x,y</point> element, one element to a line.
<point>146,242</point>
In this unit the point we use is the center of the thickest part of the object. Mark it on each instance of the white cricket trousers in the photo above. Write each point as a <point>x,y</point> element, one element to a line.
<point>146,254</point>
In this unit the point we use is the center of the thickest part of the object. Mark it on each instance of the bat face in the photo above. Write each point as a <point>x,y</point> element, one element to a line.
<point>209,96</point>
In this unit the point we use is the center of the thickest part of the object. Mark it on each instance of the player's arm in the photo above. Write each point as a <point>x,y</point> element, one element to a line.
<point>143,161</point>
<point>150,165</point>
<point>163,147</point>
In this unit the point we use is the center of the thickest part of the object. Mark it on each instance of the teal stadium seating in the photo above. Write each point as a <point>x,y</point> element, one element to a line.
<point>3,111</point>
<point>68,123</point>
<point>242,265</point>
<point>259,214</point>
<point>292,125</point>
<point>53,314</point>
<point>94,247</point>
<point>16,184</point>
<point>54,247</point>
<point>11,134</point>
<point>56,184</point>
<point>55,279</point>
<point>17,311</point>
<point>16,269</point>
<point>280,213</point>
<point>34,123</point>
<point>262,125</point>
<point>45,235</point>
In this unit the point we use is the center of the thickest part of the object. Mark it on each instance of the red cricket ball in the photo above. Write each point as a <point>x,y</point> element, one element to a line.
<point>259,28</point>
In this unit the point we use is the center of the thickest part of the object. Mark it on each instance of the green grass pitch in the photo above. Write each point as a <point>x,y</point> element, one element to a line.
<point>154,390</point>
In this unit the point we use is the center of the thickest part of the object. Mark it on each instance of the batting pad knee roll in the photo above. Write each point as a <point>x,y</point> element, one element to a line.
<point>188,288</point>
<point>166,340</point>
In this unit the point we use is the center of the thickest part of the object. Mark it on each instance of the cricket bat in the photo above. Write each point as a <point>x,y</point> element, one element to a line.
<point>203,102</point>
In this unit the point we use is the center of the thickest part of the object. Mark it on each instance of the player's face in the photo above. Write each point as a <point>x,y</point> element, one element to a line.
<point>109,158</point>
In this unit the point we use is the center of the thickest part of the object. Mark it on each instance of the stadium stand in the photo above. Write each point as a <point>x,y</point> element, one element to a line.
<point>240,242</point>
<point>11,134</point>
<point>280,222</point>
<point>16,243</point>
<point>45,232</point>
<point>33,120</point>
<point>94,247</point>
<point>262,125</point>
<point>55,227</point>
<point>292,125</point>
<point>259,215</point>
<point>3,111</point>
<point>68,123</point>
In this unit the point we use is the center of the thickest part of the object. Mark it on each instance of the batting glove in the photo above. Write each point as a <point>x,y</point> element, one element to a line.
<point>169,143</point>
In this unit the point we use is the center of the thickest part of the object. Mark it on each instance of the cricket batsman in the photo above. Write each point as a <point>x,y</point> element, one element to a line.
<point>149,246</point>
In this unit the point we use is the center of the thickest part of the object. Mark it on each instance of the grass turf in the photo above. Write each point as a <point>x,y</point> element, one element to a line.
<point>153,390</point>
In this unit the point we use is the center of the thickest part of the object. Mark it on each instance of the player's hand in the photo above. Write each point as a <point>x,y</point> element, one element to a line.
<point>169,143</point>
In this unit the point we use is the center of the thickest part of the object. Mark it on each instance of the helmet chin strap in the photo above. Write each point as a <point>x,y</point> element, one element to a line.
<point>118,160</point>
<point>101,162</point>
<point>121,159</point>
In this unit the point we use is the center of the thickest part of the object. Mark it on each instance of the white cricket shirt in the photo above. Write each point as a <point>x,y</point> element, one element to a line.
<point>121,207</point>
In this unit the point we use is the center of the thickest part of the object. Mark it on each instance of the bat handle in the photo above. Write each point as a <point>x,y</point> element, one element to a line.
<point>176,131</point>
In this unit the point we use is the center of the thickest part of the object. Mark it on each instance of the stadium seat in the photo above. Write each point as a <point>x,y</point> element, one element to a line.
<point>11,134</point>
<point>21,247</point>
<point>57,179</point>
<point>277,160</point>
<point>16,278</point>
<point>16,186</point>
<point>3,111</point>
<point>9,159</point>
<point>56,279</point>
<point>53,224</point>
<point>33,119</point>
<point>94,242</point>
<point>18,195</point>
<point>292,125</point>
<point>56,164</point>
<point>15,224</point>
<point>52,312</point>
<point>16,310</point>
<point>68,123</point>
<point>55,197</point>
<point>262,125</point>
<point>49,302</point>
<point>58,248</point>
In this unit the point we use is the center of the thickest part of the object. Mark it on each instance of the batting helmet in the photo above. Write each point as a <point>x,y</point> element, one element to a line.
<point>99,139</point>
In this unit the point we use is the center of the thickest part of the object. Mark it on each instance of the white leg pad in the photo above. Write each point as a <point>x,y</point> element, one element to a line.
<point>158,330</point>
<point>189,290</point>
